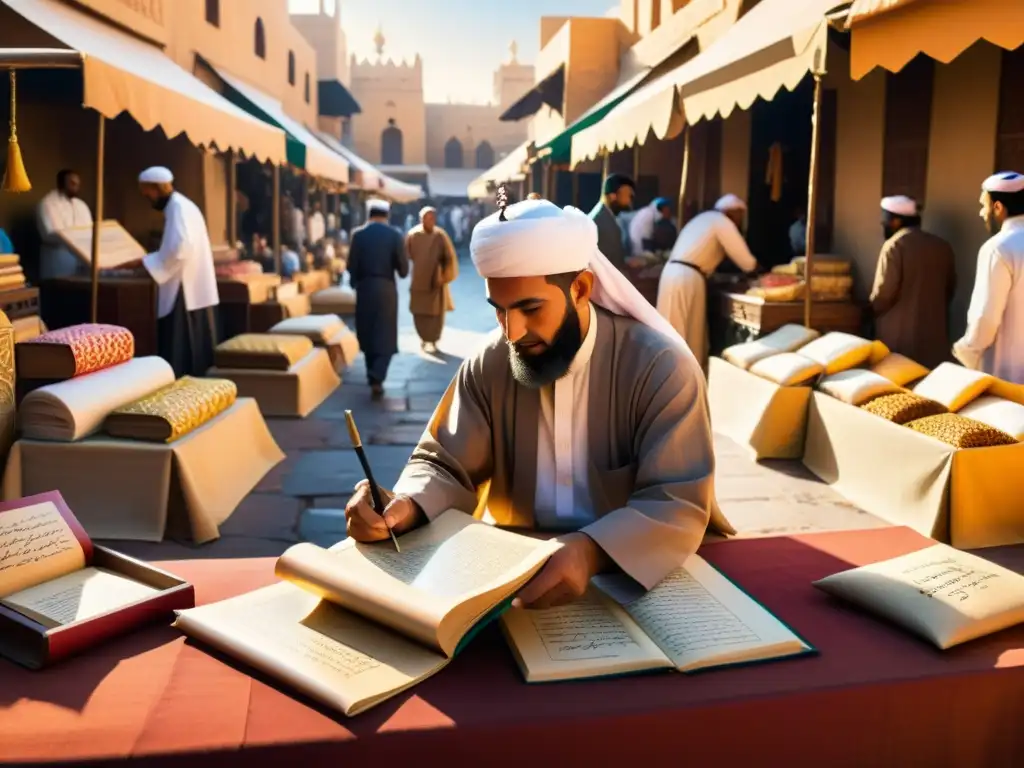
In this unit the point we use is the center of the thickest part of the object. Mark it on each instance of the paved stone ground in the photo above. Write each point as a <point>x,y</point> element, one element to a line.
<point>302,498</point>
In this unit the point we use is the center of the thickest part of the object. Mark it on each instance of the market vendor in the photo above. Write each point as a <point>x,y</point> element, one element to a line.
<point>994,339</point>
<point>61,209</point>
<point>183,270</point>
<point>652,229</point>
<point>915,278</point>
<point>706,239</point>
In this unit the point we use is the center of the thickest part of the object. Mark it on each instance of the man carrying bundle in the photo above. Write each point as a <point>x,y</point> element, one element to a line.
<point>586,414</point>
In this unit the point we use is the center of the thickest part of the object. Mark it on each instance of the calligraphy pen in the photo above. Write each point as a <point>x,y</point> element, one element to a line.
<point>357,443</point>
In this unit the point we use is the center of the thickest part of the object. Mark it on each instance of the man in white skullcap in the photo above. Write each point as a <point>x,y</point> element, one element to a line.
<point>183,270</point>
<point>376,255</point>
<point>434,266</point>
<point>704,242</point>
<point>915,278</point>
<point>994,340</point>
<point>584,414</point>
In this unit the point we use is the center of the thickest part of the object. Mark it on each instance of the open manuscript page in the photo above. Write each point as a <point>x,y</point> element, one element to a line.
<point>448,575</point>
<point>323,651</point>
<point>36,545</point>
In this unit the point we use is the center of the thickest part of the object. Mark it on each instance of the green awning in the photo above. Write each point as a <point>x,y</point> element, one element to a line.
<point>559,149</point>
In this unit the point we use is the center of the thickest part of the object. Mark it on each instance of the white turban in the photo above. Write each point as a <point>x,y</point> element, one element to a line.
<point>376,204</point>
<point>156,175</point>
<point>730,202</point>
<point>1007,181</point>
<point>540,239</point>
<point>425,210</point>
<point>900,205</point>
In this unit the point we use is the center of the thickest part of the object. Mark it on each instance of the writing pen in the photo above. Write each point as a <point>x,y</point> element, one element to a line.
<point>357,444</point>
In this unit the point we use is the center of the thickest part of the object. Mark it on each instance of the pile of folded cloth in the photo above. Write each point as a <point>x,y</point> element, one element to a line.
<point>327,331</point>
<point>288,373</point>
<point>12,276</point>
<point>338,300</point>
<point>952,404</point>
<point>832,280</point>
<point>98,384</point>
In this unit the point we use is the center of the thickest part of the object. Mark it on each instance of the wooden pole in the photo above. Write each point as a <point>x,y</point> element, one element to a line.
<point>605,166</point>
<point>232,200</point>
<point>275,219</point>
<point>683,177</point>
<point>812,206</point>
<point>101,133</point>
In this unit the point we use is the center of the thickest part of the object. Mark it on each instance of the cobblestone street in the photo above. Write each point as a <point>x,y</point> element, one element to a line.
<point>302,499</point>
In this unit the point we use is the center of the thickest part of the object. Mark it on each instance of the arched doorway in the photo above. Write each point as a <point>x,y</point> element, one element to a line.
<point>484,155</point>
<point>453,153</point>
<point>391,145</point>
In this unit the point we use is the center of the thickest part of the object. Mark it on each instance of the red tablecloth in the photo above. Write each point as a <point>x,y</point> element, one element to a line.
<point>874,695</point>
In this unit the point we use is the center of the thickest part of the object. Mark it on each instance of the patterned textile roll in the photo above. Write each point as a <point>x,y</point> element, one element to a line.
<point>903,407</point>
<point>960,432</point>
<point>266,351</point>
<point>172,411</point>
<point>74,351</point>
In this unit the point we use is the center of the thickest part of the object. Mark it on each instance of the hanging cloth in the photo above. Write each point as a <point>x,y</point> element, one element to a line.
<point>774,175</point>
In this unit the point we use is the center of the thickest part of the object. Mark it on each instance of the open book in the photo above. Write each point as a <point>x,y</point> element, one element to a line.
<point>356,624</point>
<point>46,566</point>
<point>695,619</point>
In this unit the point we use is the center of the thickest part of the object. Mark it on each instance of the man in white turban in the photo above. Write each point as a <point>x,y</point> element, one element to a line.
<point>701,246</point>
<point>994,340</point>
<point>584,414</point>
<point>183,270</point>
<point>915,278</point>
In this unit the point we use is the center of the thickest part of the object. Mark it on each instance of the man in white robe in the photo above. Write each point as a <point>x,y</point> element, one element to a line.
<point>705,241</point>
<point>994,339</point>
<point>584,414</point>
<point>61,209</point>
<point>183,270</point>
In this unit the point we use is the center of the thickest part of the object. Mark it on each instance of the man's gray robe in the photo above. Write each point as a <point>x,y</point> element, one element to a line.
<point>651,459</point>
<point>611,237</point>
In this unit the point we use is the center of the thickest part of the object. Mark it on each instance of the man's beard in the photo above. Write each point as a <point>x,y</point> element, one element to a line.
<point>993,226</point>
<point>889,230</point>
<point>161,202</point>
<point>618,208</point>
<point>543,368</point>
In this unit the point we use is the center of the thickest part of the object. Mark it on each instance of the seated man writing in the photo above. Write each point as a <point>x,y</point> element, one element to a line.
<point>586,415</point>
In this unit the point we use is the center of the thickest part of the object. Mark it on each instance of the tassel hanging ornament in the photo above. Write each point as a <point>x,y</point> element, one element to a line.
<point>15,177</point>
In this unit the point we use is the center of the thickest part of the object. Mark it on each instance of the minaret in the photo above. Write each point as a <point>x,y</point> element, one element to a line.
<point>378,41</point>
<point>513,49</point>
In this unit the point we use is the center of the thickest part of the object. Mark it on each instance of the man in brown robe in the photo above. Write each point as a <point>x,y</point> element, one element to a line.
<point>914,283</point>
<point>434,266</point>
<point>585,414</point>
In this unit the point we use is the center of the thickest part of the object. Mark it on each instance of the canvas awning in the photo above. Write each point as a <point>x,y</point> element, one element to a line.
<point>889,33</point>
<point>773,46</point>
<point>304,150</point>
<point>121,73</point>
<point>451,182</point>
<point>508,169</point>
<point>550,91</point>
<point>372,179</point>
<point>335,100</point>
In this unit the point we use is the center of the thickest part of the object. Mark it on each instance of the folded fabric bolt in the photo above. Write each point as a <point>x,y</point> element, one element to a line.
<point>954,386</point>
<point>788,338</point>
<point>1004,415</point>
<point>74,351</point>
<point>787,369</point>
<point>903,407</point>
<point>840,351</point>
<point>959,432</point>
<point>172,411</point>
<point>337,300</point>
<point>266,351</point>
<point>319,329</point>
<point>900,370</point>
<point>856,386</point>
<point>73,409</point>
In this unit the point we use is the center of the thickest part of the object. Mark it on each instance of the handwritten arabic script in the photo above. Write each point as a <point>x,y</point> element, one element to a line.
<point>36,545</point>
<point>582,630</point>
<point>948,578</point>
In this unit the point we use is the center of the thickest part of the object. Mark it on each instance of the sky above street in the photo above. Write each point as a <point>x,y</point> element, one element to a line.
<point>461,42</point>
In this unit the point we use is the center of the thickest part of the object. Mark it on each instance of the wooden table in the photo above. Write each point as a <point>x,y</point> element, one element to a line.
<point>874,695</point>
<point>130,302</point>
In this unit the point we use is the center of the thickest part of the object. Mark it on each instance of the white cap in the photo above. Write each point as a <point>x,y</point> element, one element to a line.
<point>900,205</point>
<point>730,202</point>
<point>156,175</point>
<point>376,204</point>
<point>1005,181</point>
<point>425,210</point>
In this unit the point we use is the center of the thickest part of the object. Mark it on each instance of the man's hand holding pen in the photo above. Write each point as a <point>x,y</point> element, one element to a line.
<point>401,514</point>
